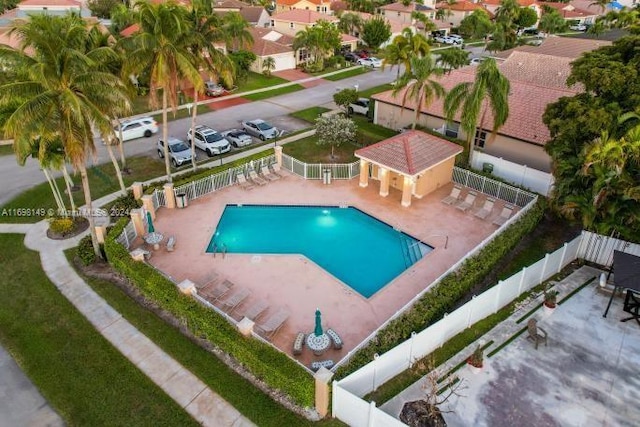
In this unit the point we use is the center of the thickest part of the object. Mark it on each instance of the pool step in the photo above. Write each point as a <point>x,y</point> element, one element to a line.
<point>411,250</point>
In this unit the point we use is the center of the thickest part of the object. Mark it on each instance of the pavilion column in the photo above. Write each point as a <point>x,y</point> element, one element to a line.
<point>384,182</point>
<point>407,186</point>
<point>364,173</point>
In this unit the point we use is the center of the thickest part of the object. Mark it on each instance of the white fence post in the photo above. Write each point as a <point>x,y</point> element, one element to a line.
<point>370,420</point>
<point>544,268</point>
<point>564,253</point>
<point>375,367</point>
<point>497,307</point>
<point>413,337</point>
<point>470,311</point>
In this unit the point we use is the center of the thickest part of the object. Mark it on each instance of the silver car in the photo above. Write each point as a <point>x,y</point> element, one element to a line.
<point>237,137</point>
<point>260,128</point>
<point>179,152</point>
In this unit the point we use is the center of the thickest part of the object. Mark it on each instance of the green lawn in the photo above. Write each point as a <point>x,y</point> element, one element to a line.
<point>6,150</point>
<point>102,180</point>
<point>181,114</point>
<point>85,379</point>
<point>367,93</point>
<point>240,393</point>
<point>258,81</point>
<point>309,114</point>
<point>274,92</point>
<point>343,75</point>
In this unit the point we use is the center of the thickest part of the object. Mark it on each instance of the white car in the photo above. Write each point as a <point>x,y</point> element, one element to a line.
<point>260,128</point>
<point>578,27</point>
<point>209,140</point>
<point>372,62</point>
<point>361,106</point>
<point>179,152</point>
<point>136,128</point>
<point>237,137</point>
<point>476,61</point>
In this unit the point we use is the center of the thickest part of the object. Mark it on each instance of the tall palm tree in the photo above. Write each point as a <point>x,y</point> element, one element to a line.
<point>396,54</point>
<point>451,59</point>
<point>350,23</point>
<point>161,47</point>
<point>489,91</point>
<point>66,93</point>
<point>427,24</point>
<point>236,30</point>
<point>419,85</point>
<point>404,47</point>
<point>268,65</point>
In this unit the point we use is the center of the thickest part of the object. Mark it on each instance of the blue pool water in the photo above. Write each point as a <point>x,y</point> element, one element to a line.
<point>356,248</point>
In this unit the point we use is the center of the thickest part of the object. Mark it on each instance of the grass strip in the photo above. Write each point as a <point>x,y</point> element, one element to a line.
<point>452,383</point>
<point>274,92</point>
<point>346,74</point>
<point>309,114</point>
<point>6,150</point>
<point>461,364</point>
<point>85,379</point>
<point>506,343</point>
<point>250,401</point>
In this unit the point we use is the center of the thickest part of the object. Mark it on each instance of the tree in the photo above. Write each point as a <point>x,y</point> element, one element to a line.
<point>102,8</point>
<point>427,24</point>
<point>477,25</point>
<point>419,86</point>
<point>404,47</point>
<point>268,65</point>
<point>319,41</point>
<point>350,23</point>
<point>552,22</point>
<point>334,131</point>
<point>338,7</point>
<point>236,31</point>
<point>160,46</point>
<point>598,28</point>
<point>63,93</point>
<point>8,5</point>
<point>451,59</point>
<point>344,98</point>
<point>526,18</point>
<point>376,31</point>
<point>121,17</point>
<point>488,91</point>
<point>242,61</point>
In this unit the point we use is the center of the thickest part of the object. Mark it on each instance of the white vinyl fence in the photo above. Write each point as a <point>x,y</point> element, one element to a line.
<point>521,175</point>
<point>599,249</point>
<point>492,187</point>
<point>316,170</point>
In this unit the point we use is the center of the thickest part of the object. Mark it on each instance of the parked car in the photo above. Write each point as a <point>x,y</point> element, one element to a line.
<point>237,137</point>
<point>179,152</point>
<point>209,140</point>
<point>370,62</point>
<point>213,89</point>
<point>136,128</point>
<point>361,106</point>
<point>362,54</point>
<point>351,57</point>
<point>260,128</point>
<point>476,61</point>
<point>578,27</point>
<point>456,37</point>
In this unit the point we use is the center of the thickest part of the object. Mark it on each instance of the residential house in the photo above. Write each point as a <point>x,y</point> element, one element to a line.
<point>572,13</point>
<point>50,7</point>
<point>401,13</point>
<point>320,6</point>
<point>395,26</point>
<point>493,5</point>
<point>457,12</point>
<point>270,43</point>
<point>256,16</point>
<point>567,47</point>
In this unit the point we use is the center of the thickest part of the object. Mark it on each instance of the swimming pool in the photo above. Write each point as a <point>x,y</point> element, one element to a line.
<point>361,251</point>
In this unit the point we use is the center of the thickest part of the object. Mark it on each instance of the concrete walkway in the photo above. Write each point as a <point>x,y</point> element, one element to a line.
<point>181,385</point>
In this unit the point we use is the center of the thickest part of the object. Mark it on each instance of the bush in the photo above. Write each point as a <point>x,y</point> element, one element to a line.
<point>122,206</point>
<point>444,296</point>
<point>61,226</point>
<point>273,367</point>
<point>85,251</point>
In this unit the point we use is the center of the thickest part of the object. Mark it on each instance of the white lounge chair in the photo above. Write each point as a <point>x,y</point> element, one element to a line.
<point>272,324</point>
<point>234,300</point>
<point>214,292</point>
<point>277,170</point>
<point>454,197</point>
<point>468,201</point>
<point>268,175</point>
<point>243,183</point>
<point>506,213</point>
<point>253,176</point>
<point>256,310</point>
<point>486,209</point>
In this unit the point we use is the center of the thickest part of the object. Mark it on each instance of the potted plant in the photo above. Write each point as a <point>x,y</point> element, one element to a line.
<point>550,303</point>
<point>475,361</point>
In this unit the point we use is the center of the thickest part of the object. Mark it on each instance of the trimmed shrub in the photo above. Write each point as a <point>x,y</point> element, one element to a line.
<point>61,226</point>
<point>122,206</point>
<point>444,296</point>
<point>85,251</point>
<point>273,367</point>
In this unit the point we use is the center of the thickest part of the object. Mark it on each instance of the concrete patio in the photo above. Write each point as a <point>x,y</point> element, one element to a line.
<point>295,283</point>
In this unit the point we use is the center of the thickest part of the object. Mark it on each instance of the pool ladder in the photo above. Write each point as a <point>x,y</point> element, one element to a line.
<point>223,250</point>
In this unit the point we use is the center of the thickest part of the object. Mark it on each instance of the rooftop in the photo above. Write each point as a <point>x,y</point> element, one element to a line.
<point>567,47</point>
<point>568,11</point>
<point>461,6</point>
<point>536,69</point>
<point>303,16</point>
<point>399,7</point>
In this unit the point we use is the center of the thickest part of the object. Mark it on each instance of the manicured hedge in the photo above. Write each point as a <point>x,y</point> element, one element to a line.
<point>443,297</point>
<point>276,369</point>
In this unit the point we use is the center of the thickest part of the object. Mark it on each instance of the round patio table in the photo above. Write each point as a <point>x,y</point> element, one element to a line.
<point>154,239</point>
<point>318,344</point>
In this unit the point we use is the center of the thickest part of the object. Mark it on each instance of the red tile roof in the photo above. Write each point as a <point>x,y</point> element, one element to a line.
<point>567,47</point>
<point>538,69</point>
<point>568,14</point>
<point>45,3</point>
<point>410,153</point>
<point>527,103</point>
<point>521,3</point>
<point>130,30</point>
<point>264,47</point>
<point>460,6</point>
<point>293,2</point>
<point>302,16</point>
<point>399,7</point>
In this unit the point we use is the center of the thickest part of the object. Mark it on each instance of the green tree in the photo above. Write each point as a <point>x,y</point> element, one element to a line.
<point>552,22</point>
<point>477,25</point>
<point>526,18</point>
<point>427,24</point>
<point>161,47</point>
<point>419,84</point>
<point>451,59</point>
<point>319,41</point>
<point>102,8</point>
<point>350,23</point>
<point>236,30</point>
<point>121,17</point>
<point>376,31</point>
<point>63,93</point>
<point>268,65</point>
<point>8,5</point>
<point>598,28</point>
<point>404,47</point>
<point>242,61</point>
<point>489,92</point>
<point>335,131</point>
<point>344,98</point>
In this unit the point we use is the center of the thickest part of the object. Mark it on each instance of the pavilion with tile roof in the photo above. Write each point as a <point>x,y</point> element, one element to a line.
<point>414,162</point>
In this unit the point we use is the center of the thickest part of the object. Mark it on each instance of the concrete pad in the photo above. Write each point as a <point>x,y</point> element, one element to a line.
<point>159,367</point>
<point>213,411</point>
<point>183,387</point>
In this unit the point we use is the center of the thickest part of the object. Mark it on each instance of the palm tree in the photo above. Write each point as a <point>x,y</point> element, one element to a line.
<point>350,23</point>
<point>427,24</point>
<point>404,47</point>
<point>451,59</point>
<point>318,40</point>
<point>552,22</point>
<point>489,90</point>
<point>161,47</point>
<point>598,28</point>
<point>419,86</point>
<point>602,4</point>
<point>64,92</point>
<point>236,30</point>
<point>394,55</point>
<point>268,65</point>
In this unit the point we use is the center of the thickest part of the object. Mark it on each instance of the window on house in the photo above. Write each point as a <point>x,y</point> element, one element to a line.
<point>398,13</point>
<point>480,139</point>
<point>303,54</point>
<point>273,24</point>
<point>317,8</point>
<point>290,24</point>
<point>451,130</point>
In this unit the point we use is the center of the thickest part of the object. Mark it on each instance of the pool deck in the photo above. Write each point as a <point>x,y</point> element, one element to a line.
<point>296,284</point>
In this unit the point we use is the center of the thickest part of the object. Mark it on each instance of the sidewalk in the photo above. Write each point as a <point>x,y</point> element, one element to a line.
<point>186,389</point>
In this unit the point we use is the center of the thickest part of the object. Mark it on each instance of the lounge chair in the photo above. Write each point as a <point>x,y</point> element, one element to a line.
<point>486,209</point>
<point>214,292</point>
<point>171,244</point>
<point>212,280</point>
<point>468,201</point>
<point>454,197</point>
<point>256,310</point>
<point>234,300</point>
<point>337,341</point>
<point>253,176</point>
<point>243,183</point>
<point>506,213</point>
<point>273,323</point>
<point>322,364</point>
<point>268,175</point>
<point>277,171</point>
<point>536,333</point>
<point>298,343</point>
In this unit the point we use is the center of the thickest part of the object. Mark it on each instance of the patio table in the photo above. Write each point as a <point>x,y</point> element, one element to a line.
<point>154,239</point>
<point>318,344</point>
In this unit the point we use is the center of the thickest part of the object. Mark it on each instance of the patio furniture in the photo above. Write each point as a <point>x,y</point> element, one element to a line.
<point>234,300</point>
<point>154,239</point>
<point>256,310</point>
<point>253,176</point>
<point>318,343</point>
<point>277,170</point>
<point>140,254</point>
<point>468,201</point>
<point>268,175</point>
<point>243,183</point>
<point>632,306</point>
<point>171,243</point>
<point>322,364</point>
<point>214,292</point>
<point>453,197</point>
<point>337,341</point>
<point>625,268</point>
<point>506,213</point>
<point>211,280</point>
<point>298,343</point>
<point>536,333</point>
<point>273,323</point>
<point>486,209</point>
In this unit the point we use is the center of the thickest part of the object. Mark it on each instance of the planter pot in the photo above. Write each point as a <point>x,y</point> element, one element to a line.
<point>548,310</point>
<point>474,370</point>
